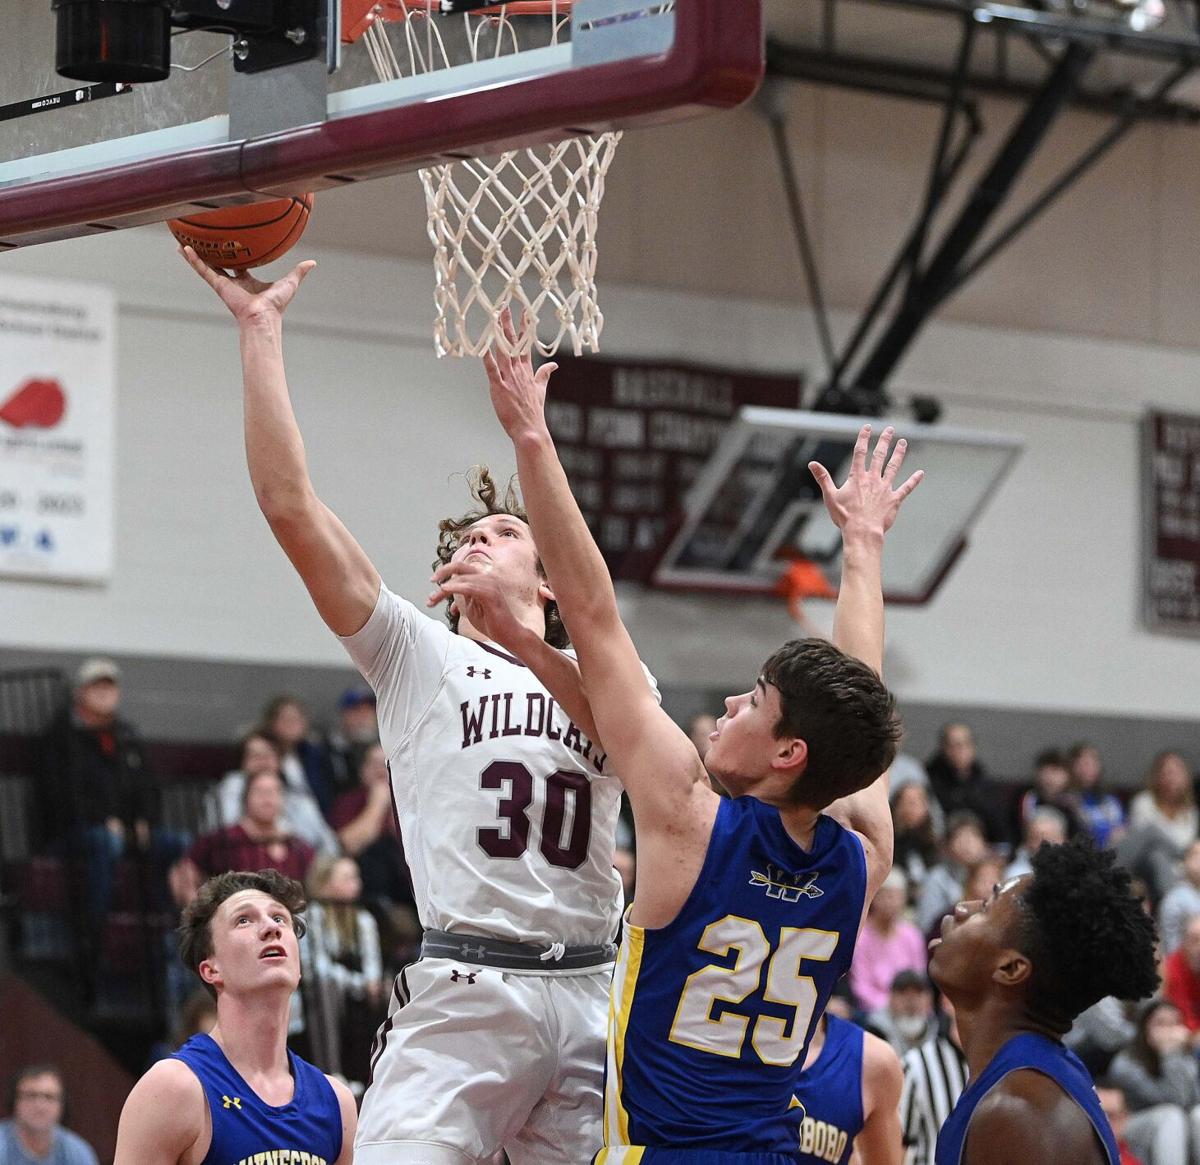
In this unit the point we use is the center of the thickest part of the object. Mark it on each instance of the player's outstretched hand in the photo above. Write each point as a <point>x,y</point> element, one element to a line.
<point>518,393</point>
<point>866,500</point>
<point>474,590</point>
<point>245,296</point>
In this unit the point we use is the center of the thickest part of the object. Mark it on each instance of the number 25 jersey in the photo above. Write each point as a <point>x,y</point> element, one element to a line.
<point>507,811</point>
<point>711,1013</point>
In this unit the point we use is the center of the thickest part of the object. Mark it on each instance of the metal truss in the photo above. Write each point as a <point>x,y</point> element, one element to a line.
<point>937,258</point>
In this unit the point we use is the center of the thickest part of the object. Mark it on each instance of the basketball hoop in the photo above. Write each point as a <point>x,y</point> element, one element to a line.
<point>517,230</point>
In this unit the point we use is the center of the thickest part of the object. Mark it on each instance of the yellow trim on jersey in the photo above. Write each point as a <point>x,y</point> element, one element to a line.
<point>620,1155</point>
<point>629,962</point>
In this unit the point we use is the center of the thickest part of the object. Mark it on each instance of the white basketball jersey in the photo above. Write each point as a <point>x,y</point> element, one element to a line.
<point>507,811</point>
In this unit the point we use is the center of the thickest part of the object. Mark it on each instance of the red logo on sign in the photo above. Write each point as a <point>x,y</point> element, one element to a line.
<point>38,404</point>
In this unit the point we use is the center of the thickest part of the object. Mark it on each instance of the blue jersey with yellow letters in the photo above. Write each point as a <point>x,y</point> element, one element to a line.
<point>710,1014</point>
<point>247,1131</point>
<point>830,1094</point>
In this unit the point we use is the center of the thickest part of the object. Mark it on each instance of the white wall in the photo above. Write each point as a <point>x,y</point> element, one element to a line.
<point>1042,611</point>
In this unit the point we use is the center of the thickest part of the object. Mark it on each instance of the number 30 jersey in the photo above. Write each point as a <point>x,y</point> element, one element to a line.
<point>711,1013</point>
<point>508,812</point>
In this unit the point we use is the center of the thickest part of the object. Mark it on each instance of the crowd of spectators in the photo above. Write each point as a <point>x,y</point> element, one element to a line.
<point>959,833</point>
<point>318,807</point>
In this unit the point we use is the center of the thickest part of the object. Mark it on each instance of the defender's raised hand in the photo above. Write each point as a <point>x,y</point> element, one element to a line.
<point>518,393</point>
<point>244,295</point>
<point>866,499</point>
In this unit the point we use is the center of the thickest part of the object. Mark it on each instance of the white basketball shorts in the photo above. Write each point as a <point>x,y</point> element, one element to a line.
<point>474,1059</point>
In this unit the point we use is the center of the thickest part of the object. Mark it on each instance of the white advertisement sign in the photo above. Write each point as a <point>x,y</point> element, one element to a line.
<point>57,376</point>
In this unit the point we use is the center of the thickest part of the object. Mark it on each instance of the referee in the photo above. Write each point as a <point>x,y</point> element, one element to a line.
<point>934,1075</point>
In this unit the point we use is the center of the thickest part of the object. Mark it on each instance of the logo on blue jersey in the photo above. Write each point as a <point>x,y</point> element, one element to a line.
<point>780,884</point>
<point>231,1102</point>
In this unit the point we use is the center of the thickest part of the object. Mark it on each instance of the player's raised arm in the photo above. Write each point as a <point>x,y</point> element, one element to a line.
<point>657,763</point>
<point>864,508</point>
<point>339,576</point>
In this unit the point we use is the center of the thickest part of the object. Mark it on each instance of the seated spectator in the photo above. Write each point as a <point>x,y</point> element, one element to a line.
<point>934,1076</point>
<point>1161,1083</point>
<point>1046,826</point>
<point>908,1018</point>
<point>1162,824</point>
<point>1181,903</point>
<point>887,944</point>
<point>1181,976</point>
<point>960,783</point>
<point>916,847</point>
<point>257,842</point>
<point>286,720</point>
<point>1051,789</point>
<point>943,889</point>
<point>260,753</point>
<point>1103,813</point>
<point>34,1134</point>
<point>102,802</point>
<point>344,747</point>
<point>367,829</point>
<point>344,986</point>
<point>197,1015</point>
<point>1100,1032</point>
<point>907,770</point>
<point>981,878</point>
<point>1112,1104</point>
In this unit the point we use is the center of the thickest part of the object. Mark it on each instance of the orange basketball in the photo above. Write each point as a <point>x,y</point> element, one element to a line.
<point>237,237</point>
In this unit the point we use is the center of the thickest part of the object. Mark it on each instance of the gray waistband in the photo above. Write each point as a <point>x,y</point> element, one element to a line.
<point>491,952</point>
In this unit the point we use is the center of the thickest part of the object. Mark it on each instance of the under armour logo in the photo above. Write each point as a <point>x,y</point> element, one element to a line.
<point>486,672</point>
<point>232,1102</point>
<point>466,950</point>
<point>455,976</point>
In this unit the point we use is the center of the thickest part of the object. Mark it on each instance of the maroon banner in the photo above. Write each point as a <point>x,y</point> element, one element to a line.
<point>633,435</point>
<point>1171,473</point>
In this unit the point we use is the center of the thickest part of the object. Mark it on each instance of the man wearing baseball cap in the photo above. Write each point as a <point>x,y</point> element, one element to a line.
<point>101,799</point>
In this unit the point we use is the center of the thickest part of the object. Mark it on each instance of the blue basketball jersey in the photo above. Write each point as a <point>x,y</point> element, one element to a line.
<point>246,1130</point>
<point>830,1094</point>
<point>1041,1054</point>
<point>710,1014</point>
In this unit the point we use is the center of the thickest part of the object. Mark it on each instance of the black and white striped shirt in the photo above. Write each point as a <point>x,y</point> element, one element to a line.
<point>934,1075</point>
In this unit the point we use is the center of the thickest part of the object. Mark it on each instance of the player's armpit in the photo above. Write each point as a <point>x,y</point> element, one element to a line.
<point>340,578</point>
<point>1029,1118</point>
<point>163,1119</point>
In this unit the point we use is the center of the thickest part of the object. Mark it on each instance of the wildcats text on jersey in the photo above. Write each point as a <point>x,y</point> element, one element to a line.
<point>499,714</point>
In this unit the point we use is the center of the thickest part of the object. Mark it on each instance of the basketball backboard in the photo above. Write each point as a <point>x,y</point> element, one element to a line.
<point>756,508</point>
<point>81,159</point>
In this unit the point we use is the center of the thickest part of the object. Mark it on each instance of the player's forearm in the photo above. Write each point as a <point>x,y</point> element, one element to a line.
<point>274,447</point>
<point>559,675</point>
<point>574,566</point>
<point>858,616</point>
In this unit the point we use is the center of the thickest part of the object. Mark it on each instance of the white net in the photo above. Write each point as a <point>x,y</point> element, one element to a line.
<point>517,230</point>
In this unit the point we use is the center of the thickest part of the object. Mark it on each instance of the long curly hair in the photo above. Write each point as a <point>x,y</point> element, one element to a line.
<point>488,501</point>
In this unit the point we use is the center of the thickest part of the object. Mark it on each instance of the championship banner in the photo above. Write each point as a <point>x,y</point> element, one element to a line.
<point>57,376</point>
<point>1171,523</point>
<point>634,434</point>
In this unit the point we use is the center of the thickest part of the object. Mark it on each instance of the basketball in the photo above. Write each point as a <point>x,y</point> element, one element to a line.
<point>237,237</point>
